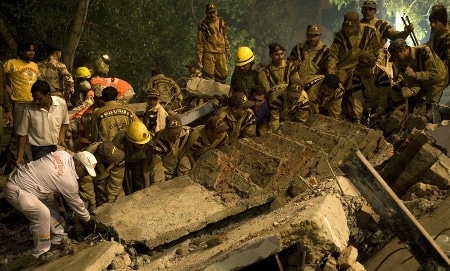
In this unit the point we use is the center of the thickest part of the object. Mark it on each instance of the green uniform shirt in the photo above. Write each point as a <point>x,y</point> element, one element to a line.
<point>311,61</point>
<point>271,76</point>
<point>318,102</point>
<point>242,128</point>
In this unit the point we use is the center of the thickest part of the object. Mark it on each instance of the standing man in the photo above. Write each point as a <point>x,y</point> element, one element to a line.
<point>440,40</point>
<point>418,73</point>
<point>311,56</point>
<point>385,30</point>
<point>32,189</point>
<point>44,122</point>
<point>155,115</point>
<point>245,75</point>
<point>110,119</point>
<point>20,73</point>
<point>349,42</point>
<point>170,93</point>
<point>55,73</point>
<point>213,48</point>
<point>278,71</point>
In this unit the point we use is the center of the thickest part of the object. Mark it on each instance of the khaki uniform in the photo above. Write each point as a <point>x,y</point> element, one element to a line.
<point>311,61</point>
<point>369,92</point>
<point>198,143</point>
<point>431,72</point>
<point>110,119</point>
<point>167,88</point>
<point>344,51</point>
<point>212,45</point>
<point>281,109</point>
<point>57,75</point>
<point>243,82</point>
<point>136,161</point>
<point>169,159</point>
<point>271,76</point>
<point>318,102</point>
<point>440,43</point>
<point>242,128</point>
<point>106,186</point>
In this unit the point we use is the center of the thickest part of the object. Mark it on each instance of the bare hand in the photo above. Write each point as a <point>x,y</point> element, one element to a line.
<point>409,28</point>
<point>9,119</point>
<point>19,161</point>
<point>200,63</point>
<point>406,92</point>
<point>410,72</point>
<point>228,54</point>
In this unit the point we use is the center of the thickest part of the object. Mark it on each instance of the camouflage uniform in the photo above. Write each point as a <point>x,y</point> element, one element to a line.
<point>243,82</point>
<point>311,61</point>
<point>212,45</point>
<point>136,159</point>
<point>431,72</point>
<point>371,92</point>
<point>110,119</point>
<point>169,159</point>
<point>57,75</point>
<point>271,76</point>
<point>318,102</point>
<point>281,109</point>
<point>344,51</point>
<point>106,186</point>
<point>198,143</point>
<point>167,88</point>
<point>242,128</point>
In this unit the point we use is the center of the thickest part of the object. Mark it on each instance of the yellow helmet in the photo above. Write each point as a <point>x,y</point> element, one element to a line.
<point>138,133</point>
<point>82,72</point>
<point>244,55</point>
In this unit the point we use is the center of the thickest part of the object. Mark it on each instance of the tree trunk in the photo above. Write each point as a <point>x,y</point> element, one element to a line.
<point>7,37</point>
<point>75,33</point>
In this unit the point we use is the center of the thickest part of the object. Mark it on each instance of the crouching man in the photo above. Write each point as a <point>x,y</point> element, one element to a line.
<point>32,188</point>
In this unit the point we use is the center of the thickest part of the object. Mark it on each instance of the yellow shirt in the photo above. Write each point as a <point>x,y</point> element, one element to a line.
<point>21,76</point>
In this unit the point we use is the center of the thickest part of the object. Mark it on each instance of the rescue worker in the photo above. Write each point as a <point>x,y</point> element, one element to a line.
<point>212,46</point>
<point>384,29</point>
<point>155,115</point>
<point>418,72</point>
<point>440,40</point>
<point>83,97</point>
<point>110,169</point>
<point>278,71</point>
<point>170,93</point>
<point>239,117</point>
<point>32,190</point>
<point>194,69</point>
<point>288,103</point>
<point>125,91</point>
<point>311,56</point>
<point>136,143</point>
<point>209,136</point>
<point>349,42</point>
<point>370,91</point>
<point>55,72</point>
<point>260,109</point>
<point>169,158</point>
<point>111,118</point>
<point>245,74</point>
<point>325,93</point>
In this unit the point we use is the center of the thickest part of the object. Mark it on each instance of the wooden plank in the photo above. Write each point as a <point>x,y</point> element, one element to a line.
<point>394,213</point>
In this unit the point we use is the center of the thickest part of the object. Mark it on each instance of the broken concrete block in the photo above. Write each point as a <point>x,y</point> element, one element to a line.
<point>439,172</point>
<point>346,187</point>
<point>204,88</point>
<point>356,267</point>
<point>348,257</point>
<point>331,264</point>
<point>98,257</point>
<point>366,217</point>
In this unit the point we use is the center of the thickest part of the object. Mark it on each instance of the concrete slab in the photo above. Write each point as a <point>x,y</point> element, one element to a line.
<point>319,224</point>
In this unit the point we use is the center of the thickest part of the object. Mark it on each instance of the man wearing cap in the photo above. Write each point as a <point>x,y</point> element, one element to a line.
<point>288,103</point>
<point>325,93</point>
<point>278,71</point>
<point>239,117</point>
<point>155,115</point>
<point>418,72</point>
<point>349,42</point>
<point>385,30</point>
<point>311,56</point>
<point>110,169</point>
<point>169,158</point>
<point>206,137</point>
<point>32,189</point>
<point>212,46</point>
<point>440,40</point>
<point>111,118</point>
<point>370,91</point>
<point>170,92</point>
<point>56,73</point>
<point>44,123</point>
<point>136,143</point>
<point>245,74</point>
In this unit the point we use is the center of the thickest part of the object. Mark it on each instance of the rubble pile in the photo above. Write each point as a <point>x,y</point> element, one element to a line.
<point>281,196</point>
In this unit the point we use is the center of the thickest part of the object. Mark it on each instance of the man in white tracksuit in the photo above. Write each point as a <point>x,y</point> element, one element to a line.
<point>32,188</point>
